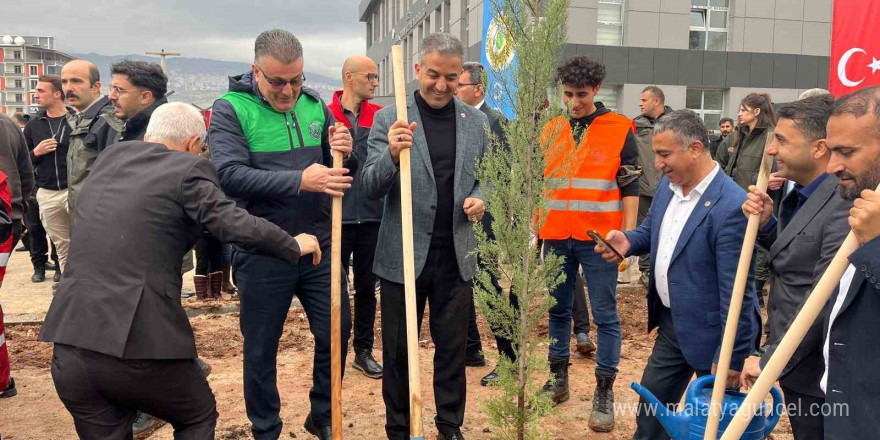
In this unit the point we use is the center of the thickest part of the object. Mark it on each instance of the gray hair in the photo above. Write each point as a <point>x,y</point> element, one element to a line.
<point>278,44</point>
<point>686,126</point>
<point>475,69</point>
<point>175,123</point>
<point>814,92</point>
<point>442,44</point>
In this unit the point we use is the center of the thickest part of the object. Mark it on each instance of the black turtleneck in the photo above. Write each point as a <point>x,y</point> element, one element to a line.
<point>439,127</point>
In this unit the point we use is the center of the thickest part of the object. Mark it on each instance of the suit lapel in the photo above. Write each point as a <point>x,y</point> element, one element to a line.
<point>461,144</point>
<point>707,201</point>
<point>420,143</point>
<point>804,215</point>
<point>854,287</point>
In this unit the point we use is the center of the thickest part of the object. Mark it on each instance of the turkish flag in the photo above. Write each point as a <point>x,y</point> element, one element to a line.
<point>855,46</point>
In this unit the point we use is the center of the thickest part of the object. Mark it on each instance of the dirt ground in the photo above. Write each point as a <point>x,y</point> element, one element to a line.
<point>37,414</point>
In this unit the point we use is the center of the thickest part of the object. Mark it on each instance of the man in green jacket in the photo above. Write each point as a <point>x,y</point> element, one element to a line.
<point>271,140</point>
<point>81,81</point>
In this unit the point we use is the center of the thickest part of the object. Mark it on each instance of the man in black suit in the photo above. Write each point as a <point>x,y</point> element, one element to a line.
<point>472,91</point>
<point>852,345</point>
<point>811,226</point>
<point>122,340</point>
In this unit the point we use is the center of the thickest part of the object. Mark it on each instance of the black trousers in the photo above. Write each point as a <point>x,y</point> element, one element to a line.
<point>208,253</point>
<point>474,345</point>
<point>37,240</point>
<point>667,376</point>
<point>359,241</point>
<point>449,298</point>
<point>580,313</point>
<point>104,393</point>
<point>805,415</point>
<point>266,287</point>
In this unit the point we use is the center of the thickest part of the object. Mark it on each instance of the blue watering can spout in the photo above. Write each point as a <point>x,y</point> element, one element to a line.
<point>676,424</point>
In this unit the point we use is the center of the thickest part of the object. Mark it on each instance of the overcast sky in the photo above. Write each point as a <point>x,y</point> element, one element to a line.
<point>219,29</point>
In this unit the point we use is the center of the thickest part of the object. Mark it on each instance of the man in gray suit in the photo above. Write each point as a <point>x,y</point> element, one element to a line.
<point>122,340</point>
<point>447,137</point>
<point>801,243</point>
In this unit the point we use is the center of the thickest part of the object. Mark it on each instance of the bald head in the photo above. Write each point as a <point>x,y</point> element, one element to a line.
<point>81,82</point>
<point>360,77</point>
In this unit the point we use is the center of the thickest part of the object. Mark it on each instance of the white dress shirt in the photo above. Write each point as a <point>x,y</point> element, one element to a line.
<point>677,213</point>
<point>845,283</point>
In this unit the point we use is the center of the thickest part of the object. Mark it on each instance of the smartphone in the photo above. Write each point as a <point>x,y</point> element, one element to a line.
<point>598,239</point>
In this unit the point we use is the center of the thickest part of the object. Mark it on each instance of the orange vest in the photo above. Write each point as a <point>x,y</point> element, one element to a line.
<point>581,181</point>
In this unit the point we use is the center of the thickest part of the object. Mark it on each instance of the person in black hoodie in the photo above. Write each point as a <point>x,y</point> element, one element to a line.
<point>361,216</point>
<point>47,137</point>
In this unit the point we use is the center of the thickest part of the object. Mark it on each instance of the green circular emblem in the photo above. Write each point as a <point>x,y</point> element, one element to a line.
<point>315,130</point>
<point>499,47</point>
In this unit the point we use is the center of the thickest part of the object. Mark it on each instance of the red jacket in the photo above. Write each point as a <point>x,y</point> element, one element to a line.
<point>357,207</point>
<point>6,245</point>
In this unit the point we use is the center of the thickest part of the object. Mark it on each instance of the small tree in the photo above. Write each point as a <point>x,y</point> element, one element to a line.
<point>513,183</point>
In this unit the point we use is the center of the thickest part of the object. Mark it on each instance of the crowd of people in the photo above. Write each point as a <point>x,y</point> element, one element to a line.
<point>122,187</point>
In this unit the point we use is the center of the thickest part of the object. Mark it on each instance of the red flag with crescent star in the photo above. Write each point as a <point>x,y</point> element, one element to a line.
<point>855,46</point>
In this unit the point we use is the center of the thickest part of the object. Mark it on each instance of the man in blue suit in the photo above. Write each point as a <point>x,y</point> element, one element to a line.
<point>694,232</point>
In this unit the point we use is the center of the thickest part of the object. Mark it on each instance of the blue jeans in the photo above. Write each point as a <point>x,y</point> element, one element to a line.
<point>601,286</point>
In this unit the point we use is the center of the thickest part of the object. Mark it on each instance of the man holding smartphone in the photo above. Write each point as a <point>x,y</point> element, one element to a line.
<point>600,192</point>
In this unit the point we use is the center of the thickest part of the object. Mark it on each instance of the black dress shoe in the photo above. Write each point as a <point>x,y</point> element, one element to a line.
<point>39,275</point>
<point>475,360</point>
<point>51,266</point>
<point>455,435</point>
<point>145,423</point>
<point>10,389</point>
<point>364,362</point>
<point>489,378</point>
<point>321,432</point>
<point>57,277</point>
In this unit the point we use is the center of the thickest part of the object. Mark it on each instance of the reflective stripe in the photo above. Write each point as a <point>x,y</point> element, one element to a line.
<point>578,183</point>
<point>584,206</point>
<point>557,205</point>
<point>602,185</point>
<point>556,182</point>
<point>580,205</point>
<point>4,258</point>
<point>2,339</point>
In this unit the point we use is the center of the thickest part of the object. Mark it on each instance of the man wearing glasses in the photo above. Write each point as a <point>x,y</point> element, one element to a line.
<point>136,89</point>
<point>361,215</point>
<point>271,140</point>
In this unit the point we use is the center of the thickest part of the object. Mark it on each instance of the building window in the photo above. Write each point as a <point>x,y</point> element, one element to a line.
<point>610,29</point>
<point>33,83</point>
<point>16,55</point>
<point>447,15</point>
<point>709,20</point>
<point>19,97</point>
<point>16,69</point>
<point>706,103</point>
<point>18,84</point>
<point>33,70</point>
<point>608,97</point>
<point>19,110</point>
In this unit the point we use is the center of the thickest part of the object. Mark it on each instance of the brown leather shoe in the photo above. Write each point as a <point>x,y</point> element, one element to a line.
<point>215,284</point>
<point>201,282</point>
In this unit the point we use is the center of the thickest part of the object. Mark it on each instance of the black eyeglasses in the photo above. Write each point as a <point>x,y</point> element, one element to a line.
<point>370,76</point>
<point>279,84</point>
<point>460,85</point>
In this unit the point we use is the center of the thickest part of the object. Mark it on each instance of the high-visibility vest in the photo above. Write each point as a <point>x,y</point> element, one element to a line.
<point>581,181</point>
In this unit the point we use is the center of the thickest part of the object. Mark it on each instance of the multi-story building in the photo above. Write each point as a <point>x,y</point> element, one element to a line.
<point>22,60</point>
<point>706,55</point>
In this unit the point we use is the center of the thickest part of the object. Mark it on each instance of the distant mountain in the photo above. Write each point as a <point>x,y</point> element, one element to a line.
<point>200,80</point>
